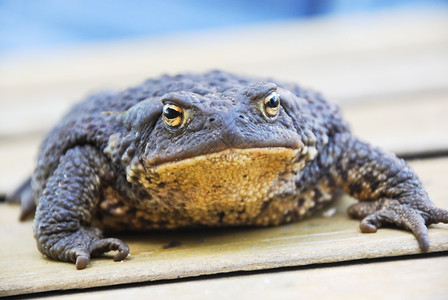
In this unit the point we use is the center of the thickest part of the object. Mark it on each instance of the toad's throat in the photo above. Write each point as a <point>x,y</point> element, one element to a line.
<point>230,180</point>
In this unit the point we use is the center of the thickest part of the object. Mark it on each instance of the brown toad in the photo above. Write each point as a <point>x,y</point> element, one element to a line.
<point>213,149</point>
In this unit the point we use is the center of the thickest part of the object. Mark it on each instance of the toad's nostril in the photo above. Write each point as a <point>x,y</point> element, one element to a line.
<point>211,120</point>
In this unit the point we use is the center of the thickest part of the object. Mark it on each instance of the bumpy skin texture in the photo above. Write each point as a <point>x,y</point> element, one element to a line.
<point>114,163</point>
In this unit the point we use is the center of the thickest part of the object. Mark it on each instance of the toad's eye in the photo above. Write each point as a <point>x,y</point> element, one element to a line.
<point>173,115</point>
<point>272,104</point>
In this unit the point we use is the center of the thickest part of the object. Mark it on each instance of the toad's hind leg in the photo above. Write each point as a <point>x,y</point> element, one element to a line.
<point>23,195</point>
<point>63,222</point>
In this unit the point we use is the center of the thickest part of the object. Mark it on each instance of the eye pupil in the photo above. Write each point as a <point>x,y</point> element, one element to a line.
<point>173,115</point>
<point>170,113</point>
<point>272,104</point>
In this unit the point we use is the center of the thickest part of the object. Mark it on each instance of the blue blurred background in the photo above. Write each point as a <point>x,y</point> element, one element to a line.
<point>32,25</point>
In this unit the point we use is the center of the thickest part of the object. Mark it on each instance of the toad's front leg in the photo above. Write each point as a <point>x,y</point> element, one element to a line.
<point>389,191</point>
<point>63,222</point>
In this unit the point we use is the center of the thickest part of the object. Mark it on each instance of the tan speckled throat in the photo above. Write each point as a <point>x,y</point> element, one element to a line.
<point>234,182</point>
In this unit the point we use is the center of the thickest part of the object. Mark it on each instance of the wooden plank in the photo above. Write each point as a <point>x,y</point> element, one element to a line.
<point>407,125</point>
<point>314,241</point>
<point>423,278</point>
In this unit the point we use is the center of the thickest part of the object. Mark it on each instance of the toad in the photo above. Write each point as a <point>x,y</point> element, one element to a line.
<point>209,150</point>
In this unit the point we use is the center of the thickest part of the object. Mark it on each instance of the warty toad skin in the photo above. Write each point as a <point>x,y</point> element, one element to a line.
<point>212,149</point>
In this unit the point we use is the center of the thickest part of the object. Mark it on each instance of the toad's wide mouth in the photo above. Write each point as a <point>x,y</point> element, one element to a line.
<point>272,156</point>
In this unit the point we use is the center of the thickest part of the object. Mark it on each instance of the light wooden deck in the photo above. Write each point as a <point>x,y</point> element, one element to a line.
<point>389,72</point>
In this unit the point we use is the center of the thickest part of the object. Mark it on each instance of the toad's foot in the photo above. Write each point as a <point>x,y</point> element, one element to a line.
<point>99,247</point>
<point>81,245</point>
<point>415,217</point>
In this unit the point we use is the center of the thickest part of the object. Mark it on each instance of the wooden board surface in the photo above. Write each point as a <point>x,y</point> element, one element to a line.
<point>407,279</point>
<point>316,240</point>
<point>411,125</point>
